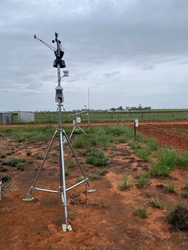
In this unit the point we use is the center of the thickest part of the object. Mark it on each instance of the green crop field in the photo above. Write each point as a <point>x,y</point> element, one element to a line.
<point>109,116</point>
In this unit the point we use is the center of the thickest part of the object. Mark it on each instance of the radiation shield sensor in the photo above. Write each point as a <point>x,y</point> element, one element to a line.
<point>65,73</point>
<point>59,94</point>
<point>78,119</point>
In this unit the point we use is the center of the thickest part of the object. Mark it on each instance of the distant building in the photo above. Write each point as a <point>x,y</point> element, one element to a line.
<point>6,118</point>
<point>26,116</point>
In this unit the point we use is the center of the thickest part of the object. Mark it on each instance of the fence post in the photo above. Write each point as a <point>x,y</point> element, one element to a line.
<point>135,126</point>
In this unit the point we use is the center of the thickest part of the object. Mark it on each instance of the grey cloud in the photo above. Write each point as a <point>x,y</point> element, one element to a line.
<point>111,74</point>
<point>186,62</point>
<point>101,40</point>
<point>147,67</point>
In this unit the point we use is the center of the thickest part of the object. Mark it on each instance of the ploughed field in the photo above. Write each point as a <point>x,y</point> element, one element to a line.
<point>106,219</point>
<point>174,134</point>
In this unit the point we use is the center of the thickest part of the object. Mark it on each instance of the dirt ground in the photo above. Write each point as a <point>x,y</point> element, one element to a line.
<point>103,220</point>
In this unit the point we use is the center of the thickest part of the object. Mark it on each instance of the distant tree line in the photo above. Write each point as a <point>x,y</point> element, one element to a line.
<point>120,108</point>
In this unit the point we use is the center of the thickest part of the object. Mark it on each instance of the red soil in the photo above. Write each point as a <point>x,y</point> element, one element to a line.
<point>106,219</point>
<point>175,135</point>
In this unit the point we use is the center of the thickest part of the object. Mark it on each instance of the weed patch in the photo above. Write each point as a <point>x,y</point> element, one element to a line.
<point>143,181</point>
<point>179,216</point>
<point>142,211</point>
<point>125,185</point>
<point>158,203</point>
<point>97,158</point>
<point>15,162</point>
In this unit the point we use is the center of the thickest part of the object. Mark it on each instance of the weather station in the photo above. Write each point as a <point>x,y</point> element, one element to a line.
<point>76,121</point>
<point>59,98</point>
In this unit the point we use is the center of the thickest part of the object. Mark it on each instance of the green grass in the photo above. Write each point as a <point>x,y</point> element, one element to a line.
<point>144,154</point>
<point>143,146</point>
<point>170,188</point>
<point>135,146</point>
<point>185,186</point>
<point>126,184</point>
<point>80,141</point>
<point>3,155</point>
<point>67,172</point>
<point>97,158</point>
<point>5,178</point>
<point>15,162</point>
<point>167,160</point>
<point>38,156</point>
<point>93,176</point>
<point>158,203</point>
<point>143,181</point>
<point>81,178</point>
<point>3,169</point>
<point>29,134</point>
<point>118,130</point>
<point>101,162</point>
<point>28,152</point>
<point>102,171</point>
<point>70,164</point>
<point>167,157</point>
<point>142,211</point>
<point>20,166</point>
<point>93,141</point>
<point>160,170</point>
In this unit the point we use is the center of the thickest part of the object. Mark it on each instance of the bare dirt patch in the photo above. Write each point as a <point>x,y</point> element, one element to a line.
<point>106,219</point>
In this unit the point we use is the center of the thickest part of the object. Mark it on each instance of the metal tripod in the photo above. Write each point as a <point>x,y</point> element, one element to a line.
<point>76,126</point>
<point>62,189</point>
<point>58,63</point>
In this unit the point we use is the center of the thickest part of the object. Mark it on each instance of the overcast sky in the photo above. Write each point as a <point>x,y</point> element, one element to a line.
<point>117,52</point>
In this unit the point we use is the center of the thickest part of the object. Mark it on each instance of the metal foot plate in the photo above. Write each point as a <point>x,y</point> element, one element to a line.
<point>28,198</point>
<point>66,228</point>
<point>91,190</point>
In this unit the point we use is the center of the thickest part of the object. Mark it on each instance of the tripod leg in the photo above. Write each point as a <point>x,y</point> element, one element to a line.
<point>29,197</point>
<point>72,132</point>
<point>88,182</point>
<point>81,130</point>
<point>62,176</point>
<point>66,227</point>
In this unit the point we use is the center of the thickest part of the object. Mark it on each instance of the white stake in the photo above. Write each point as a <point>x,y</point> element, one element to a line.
<point>0,189</point>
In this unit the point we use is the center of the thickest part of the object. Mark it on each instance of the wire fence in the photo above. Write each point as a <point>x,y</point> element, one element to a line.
<point>104,116</point>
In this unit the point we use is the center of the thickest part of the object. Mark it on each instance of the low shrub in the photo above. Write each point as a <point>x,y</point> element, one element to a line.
<point>179,216</point>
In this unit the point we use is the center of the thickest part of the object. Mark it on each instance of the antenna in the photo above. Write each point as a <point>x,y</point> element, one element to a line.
<point>88,110</point>
<point>63,138</point>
